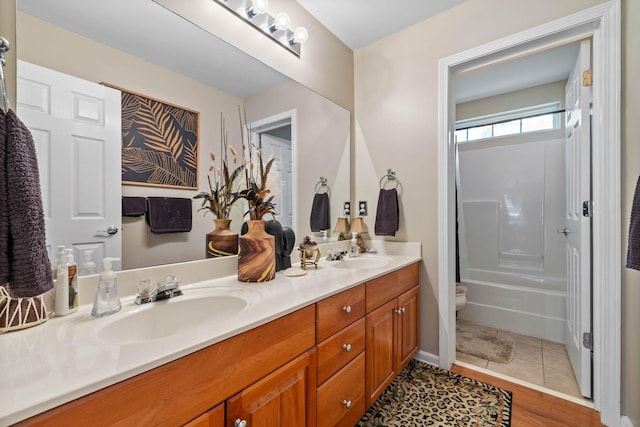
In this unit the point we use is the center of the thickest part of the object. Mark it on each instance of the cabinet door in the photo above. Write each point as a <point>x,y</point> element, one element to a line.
<point>407,322</point>
<point>212,418</point>
<point>284,398</point>
<point>380,327</point>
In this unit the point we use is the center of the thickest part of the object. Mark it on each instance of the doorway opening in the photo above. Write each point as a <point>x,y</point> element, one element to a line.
<point>276,137</point>
<point>602,24</point>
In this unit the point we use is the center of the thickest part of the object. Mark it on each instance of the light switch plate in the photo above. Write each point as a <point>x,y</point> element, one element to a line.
<point>362,208</point>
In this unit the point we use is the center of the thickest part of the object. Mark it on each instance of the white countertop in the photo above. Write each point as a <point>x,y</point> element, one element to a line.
<point>65,358</point>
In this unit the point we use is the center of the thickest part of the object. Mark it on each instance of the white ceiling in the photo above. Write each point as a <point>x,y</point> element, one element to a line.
<point>361,22</point>
<point>151,32</point>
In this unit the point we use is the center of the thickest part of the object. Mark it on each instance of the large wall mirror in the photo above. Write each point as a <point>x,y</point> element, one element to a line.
<point>144,48</point>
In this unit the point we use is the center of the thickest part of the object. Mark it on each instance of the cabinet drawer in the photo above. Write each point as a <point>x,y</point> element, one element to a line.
<point>389,286</point>
<point>339,349</point>
<point>338,311</point>
<point>341,397</point>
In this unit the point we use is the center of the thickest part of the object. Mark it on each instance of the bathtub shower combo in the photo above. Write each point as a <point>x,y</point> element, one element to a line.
<point>512,259</point>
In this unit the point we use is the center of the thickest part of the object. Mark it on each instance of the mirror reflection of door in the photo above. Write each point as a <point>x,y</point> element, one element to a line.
<point>76,128</point>
<point>277,143</point>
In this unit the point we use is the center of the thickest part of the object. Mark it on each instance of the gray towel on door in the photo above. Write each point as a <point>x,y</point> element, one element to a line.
<point>633,250</point>
<point>24,261</point>
<point>168,214</point>
<point>320,212</point>
<point>387,214</point>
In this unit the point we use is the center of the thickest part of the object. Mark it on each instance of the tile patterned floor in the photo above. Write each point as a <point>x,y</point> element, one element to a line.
<point>537,361</point>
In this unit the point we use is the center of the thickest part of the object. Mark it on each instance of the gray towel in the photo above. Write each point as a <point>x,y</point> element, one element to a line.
<point>387,214</point>
<point>24,262</point>
<point>168,214</point>
<point>633,250</point>
<point>320,212</point>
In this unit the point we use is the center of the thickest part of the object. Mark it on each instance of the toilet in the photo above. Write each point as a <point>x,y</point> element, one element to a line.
<point>461,296</point>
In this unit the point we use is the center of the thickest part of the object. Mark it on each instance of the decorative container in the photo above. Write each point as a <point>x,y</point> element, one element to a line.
<point>256,257</point>
<point>222,241</point>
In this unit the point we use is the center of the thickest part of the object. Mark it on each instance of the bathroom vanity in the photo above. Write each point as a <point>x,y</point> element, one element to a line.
<point>293,355</point>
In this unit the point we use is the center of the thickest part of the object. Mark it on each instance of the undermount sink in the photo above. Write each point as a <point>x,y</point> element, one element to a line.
<point>363,262</point>
<point>174,316</point>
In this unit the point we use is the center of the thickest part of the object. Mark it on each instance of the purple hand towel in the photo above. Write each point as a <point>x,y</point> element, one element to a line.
<point>133,206</point>
<point>387,214</point>
<point>169,214</point>
<point>633,250</point>
<point>24,261</point>
<point>320,212</point>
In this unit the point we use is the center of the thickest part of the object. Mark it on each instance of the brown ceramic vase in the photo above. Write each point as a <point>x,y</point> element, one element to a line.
<point>257,255</point>
<point>222,241</point>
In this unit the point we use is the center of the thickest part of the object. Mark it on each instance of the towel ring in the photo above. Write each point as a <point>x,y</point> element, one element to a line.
<point>390,176</point>
<point>322,184</point>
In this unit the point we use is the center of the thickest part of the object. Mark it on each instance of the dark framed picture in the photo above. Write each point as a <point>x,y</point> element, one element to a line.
<point>159,142</point>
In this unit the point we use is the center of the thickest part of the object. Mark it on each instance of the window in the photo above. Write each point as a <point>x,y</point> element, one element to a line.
<point>532,119</point>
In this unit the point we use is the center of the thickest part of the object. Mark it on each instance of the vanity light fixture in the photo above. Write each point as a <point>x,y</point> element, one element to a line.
<point>255,13</point>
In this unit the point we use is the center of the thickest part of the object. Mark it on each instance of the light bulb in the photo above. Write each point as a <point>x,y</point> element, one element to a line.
<point>282,21</point>
<point>300,35</point>
<point>260,6</point>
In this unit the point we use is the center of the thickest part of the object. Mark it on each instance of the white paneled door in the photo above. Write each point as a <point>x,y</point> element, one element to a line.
<point>76,127</point>
<point>578,217</point>
<point>280,148</point>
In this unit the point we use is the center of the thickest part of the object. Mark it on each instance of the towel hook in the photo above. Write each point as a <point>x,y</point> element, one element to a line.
<point>390,176</point>
<point>323,183</point>
<point>4,98</point>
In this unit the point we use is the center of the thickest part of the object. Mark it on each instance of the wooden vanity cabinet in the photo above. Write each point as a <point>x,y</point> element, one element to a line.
<point>391,328</point>
<point>211,418</point>
<point>180,392</point>
<point>341,343</point>
<point>282,399</point>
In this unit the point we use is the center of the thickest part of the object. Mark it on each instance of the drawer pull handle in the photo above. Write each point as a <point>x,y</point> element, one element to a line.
<point>347,404</point>
<point>346,309</point>
<point>240,423</point>
<point>400,310</point>
<point>347,347</point>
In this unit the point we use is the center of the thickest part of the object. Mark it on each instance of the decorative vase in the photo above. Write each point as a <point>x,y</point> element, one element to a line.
<point>221,241</point>
<point>256,258</point>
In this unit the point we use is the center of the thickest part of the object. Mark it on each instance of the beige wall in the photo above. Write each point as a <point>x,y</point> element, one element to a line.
<point>630,172</point>
<point>537,95</point>
<point>396,95</point>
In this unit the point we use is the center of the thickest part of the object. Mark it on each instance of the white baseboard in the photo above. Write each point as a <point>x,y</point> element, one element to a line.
<point>430,358</point>
<point>625,421</point>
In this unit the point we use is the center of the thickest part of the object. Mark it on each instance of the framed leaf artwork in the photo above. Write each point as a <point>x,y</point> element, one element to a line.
<point>159,142</point>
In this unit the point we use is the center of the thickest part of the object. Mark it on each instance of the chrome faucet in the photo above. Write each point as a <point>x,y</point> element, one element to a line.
<point>148,293</point>
<point>335,255</point>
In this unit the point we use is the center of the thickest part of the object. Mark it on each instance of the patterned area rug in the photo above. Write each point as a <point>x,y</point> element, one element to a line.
<point>423,395</point>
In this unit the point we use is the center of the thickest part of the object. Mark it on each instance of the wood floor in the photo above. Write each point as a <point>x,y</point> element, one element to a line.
<point>534,408</point>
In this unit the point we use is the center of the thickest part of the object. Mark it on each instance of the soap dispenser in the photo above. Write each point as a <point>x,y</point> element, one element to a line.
<point>106,301</point>
<point>66,289</point>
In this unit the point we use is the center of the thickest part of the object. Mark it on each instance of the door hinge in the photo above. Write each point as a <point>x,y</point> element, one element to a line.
<point>587,208</point>
<point>586,78</point>
<point>587,340</point>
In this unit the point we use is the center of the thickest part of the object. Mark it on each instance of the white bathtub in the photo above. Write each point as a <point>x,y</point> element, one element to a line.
<point>526,304</point>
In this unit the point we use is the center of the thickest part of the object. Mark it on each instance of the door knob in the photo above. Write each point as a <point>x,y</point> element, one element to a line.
<point>240,423</point>
<point>112,229</point>
<point>563,231</point>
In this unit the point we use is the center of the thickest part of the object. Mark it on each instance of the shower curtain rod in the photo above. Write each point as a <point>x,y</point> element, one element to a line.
<point>513,118</point>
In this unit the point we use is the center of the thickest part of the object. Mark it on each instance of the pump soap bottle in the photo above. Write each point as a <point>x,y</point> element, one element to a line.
<point>106,301</point>
<point>66,285</point>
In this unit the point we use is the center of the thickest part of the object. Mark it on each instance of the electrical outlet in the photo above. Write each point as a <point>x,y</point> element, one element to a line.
<point>362,209</point>
<point>346,210</point>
